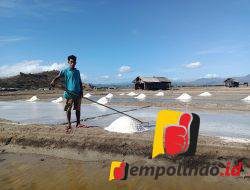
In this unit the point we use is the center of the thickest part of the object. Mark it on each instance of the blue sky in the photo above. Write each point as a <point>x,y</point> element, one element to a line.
<point>117,40</point>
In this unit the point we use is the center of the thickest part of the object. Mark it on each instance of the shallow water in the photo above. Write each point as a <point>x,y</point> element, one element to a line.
<point>231,101</point>
<point>229,124</point>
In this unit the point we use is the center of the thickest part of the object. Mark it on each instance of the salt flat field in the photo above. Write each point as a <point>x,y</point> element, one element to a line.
<point>218,123</point>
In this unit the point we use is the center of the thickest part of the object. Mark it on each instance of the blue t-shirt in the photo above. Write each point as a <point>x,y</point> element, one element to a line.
<point>72,79</point>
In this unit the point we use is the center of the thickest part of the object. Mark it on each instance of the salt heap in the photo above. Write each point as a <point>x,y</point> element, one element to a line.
<point>109,96</point>
<point>58,100</point>
<point>205,94</point>
<point>103,100</point>
<point>141,96</point>
<point>125,124</point>
<point>184,97</point>
<point>87,95</point>
<point>32,99</point>
<point>131,94</point>
<point>246,99</point>
<point>160,94</point>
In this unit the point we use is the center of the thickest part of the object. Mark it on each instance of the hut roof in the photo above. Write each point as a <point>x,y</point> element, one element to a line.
<point>230,79</point>
<point>152,79</point>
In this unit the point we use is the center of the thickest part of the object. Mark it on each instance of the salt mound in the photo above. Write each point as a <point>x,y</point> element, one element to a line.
<point>32,99</point>
<point>109,96</point>
<point>184,97</point>
<point>58,100</point>
<point>131,94</point>
<point>87,95</point>
<point>246,99</point>
<point>125,124</point>
<point>103,100</point>
<point>141,96</point>
<point>160,94</point>
<point>122,94</point>
<point>205,94</point>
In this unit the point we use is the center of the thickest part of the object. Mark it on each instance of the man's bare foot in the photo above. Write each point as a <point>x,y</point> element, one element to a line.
<point>81,126</point>
<point>68,129</point>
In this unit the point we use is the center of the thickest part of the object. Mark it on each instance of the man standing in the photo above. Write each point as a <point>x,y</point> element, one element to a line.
<point>73,91</point>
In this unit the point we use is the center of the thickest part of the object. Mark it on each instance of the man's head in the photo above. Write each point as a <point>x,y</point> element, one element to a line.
<point>72,61</point>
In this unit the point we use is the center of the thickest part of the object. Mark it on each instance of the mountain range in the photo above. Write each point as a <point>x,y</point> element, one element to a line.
<point>42,80</point>
<point>217,80</point>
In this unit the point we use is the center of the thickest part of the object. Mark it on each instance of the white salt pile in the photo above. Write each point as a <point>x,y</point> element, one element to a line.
<point>184,97</point>
<point>141,96</point>
<point>247,99</point>
<point>109,96</point>
<point>125,124</point>
<point>32,99</point>
<point>87,95</point>
<point>103,100</point>
<point>58,100</point>
<point>122,94</point>
<point>131,94</point>
<point>205,94</point>
<point>160,94</point>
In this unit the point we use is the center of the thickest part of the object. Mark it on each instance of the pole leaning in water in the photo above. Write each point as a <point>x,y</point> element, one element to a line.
<point>114,110</point>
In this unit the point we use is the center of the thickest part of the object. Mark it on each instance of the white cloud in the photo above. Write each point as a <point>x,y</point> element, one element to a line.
<point>119,75</point>
<point>211,75</point>
<point>193,65</point>
<point>124,69</point>
<point>83,77</point>
<point>11,39</point>
<point>105,77</point>
<point>32,66</point>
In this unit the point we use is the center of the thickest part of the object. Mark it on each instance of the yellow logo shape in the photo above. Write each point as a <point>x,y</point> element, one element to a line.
<point>165,118</point>
<point>117,170</point>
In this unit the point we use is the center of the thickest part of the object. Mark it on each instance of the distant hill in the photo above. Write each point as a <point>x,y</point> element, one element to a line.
<point>42,80</point>
<point>208,81</point>
<point>243,79</point>
<point>30,81</point>
<point>34,81</point>
<point>213,81</point>
<point>217,81</point>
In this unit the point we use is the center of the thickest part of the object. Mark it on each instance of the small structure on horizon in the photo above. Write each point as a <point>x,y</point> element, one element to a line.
<point>230,82</point>
<point>152,83</point>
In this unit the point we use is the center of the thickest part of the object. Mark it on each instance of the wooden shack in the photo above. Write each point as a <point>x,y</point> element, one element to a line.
<point>230,82</point>
<point>152,83</point>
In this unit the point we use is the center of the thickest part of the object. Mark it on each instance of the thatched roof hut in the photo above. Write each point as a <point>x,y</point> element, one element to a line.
<point>152,83</point>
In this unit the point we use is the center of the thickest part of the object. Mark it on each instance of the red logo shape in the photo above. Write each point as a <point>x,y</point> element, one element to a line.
<point>119,172</point>
<point>177,137</point>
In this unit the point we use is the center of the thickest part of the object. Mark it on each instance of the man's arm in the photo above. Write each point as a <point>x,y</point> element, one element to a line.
<point>54,80</point>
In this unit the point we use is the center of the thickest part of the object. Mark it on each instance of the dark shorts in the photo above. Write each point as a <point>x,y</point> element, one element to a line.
<point>70,102</point>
